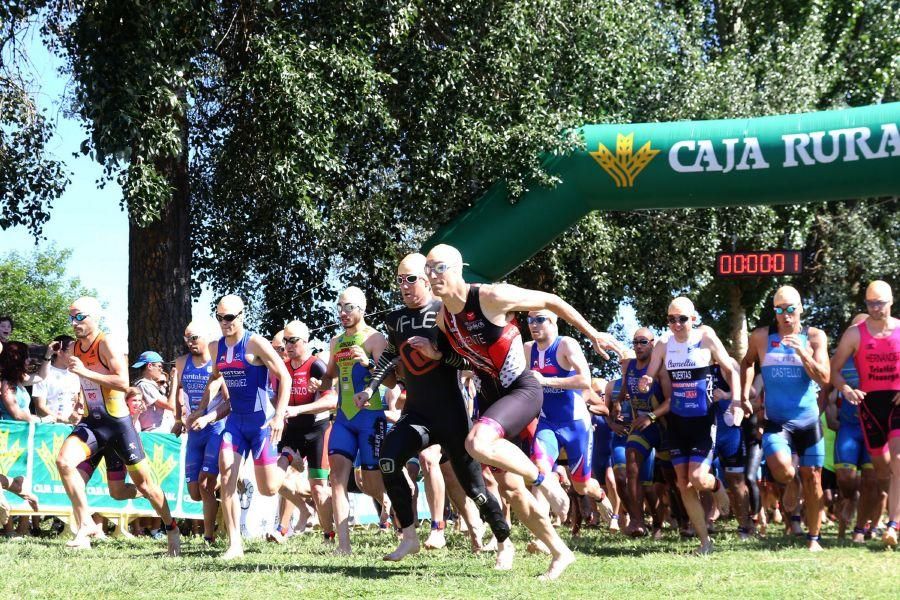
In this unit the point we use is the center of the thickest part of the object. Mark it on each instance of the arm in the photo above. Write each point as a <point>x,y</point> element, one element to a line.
<point>595,402</point>
<point>331,370</point>
<point>831,411</point>
<point>8,397</point>
<point>39,396</point>
<point>116,379</point>
<point>846,347</point>
<point>748,363</point>
<point>572,356</point>
<point>814,357</point>
<point>326,399</point>
<point>728,367</point>
<point>174,395</point>
<point>613,403</point>
<point>263,350</point>
<point>656,361</point>
<point>505,298</point>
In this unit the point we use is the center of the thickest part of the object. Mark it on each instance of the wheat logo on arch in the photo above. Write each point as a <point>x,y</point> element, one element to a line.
<point>625,165</point>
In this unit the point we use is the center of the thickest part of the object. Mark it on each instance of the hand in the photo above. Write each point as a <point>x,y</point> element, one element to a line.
<point>618,428</point>
<point>719,395</point>
<point>201,422</point>
<point>313,385</point>
<point>53,348</point>
<point>793,341</point>
<point>76,366</point>
<point>603,342</point>
<point>897,399</point>
<point>177,428</point>
<point>276,425</point>
<point>359,355</point>
<point>737,411</point>
<point>173,374</point>
<point>362,398</point>
<point>641,423</point>
<point>34,419</point>
<point>644,384</point>
<point>540,377</point>
<point>424,347</point>
<point>74,418</point>
<point>855,396</point>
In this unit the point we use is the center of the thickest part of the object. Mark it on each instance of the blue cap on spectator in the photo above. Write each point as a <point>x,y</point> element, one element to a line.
<point>147,357</point>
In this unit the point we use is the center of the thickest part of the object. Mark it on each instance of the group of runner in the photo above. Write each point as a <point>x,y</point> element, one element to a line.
<point>535,432</point>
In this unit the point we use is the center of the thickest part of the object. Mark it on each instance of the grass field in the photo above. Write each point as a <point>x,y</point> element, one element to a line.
<point>607,566</point>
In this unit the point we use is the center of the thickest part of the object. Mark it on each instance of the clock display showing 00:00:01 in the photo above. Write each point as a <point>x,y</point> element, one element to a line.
<point>759,264</point>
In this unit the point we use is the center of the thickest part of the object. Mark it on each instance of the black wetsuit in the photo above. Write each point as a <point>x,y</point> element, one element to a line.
<point>434,413</point>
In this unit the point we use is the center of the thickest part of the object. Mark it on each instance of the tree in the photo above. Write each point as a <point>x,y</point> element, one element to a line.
<point>36,292</point>
<point>326,139</point>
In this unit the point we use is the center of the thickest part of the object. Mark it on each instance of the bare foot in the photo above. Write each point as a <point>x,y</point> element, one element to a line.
<point>409,544</point>
<point>475,535</point>
<point>341,550</point>
<point>558,565</point>
<point>491,546</point>
<point>506,552</point>
<point>232,553</point>
<point>815,546</point>
<point>436,540</point>
<point>657,534</point>
<point>556,496</point>
<point>82,539</point>
<point>174,542</point>
<point>537,547</point>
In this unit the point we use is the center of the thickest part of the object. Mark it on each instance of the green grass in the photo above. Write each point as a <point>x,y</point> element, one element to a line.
<point>607,566</point>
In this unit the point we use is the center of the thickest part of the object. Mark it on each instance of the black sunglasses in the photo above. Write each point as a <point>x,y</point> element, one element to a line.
<point>292,340</point>
<point>640,342</point>
<point>228,318</point>
<point>538,320</point>
<point>672,319</point>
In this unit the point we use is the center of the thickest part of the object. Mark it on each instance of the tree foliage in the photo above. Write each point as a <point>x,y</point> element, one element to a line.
<point>36,292</point>
<point>326,139</point>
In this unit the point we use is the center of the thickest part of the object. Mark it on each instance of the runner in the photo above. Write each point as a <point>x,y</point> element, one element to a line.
<point>561,368</point>
<point>477,320</point>
<point>646,435</point>
<point>793,359</point>
<point>355,432</point>
<point>434,410</point>
<point>308,425</point>
<point>686,357</point>
<point>204,432</point>
<point>105,429</point>
<point>620,416</point>
<point>875,346</point>
<point>243,360</point>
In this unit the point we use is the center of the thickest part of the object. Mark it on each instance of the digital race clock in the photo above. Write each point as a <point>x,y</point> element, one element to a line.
<point>759,264</point>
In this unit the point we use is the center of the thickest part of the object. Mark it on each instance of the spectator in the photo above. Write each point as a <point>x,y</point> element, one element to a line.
<point>158,413</point>
<point>6,328</point>
<point>14,398</point>
<point>55,396</point>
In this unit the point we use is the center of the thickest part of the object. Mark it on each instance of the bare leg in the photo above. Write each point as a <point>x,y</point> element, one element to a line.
<point>229,468</point>
<point>340,473</point>
<point>692,478</point>
<point>149,489</point>
<point>70,456</point>
<point>436,493</point>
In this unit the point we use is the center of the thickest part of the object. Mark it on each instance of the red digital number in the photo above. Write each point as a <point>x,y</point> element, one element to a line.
<point>744,264</point>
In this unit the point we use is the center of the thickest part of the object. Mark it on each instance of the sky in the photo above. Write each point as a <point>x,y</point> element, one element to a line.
<point>86,219</point>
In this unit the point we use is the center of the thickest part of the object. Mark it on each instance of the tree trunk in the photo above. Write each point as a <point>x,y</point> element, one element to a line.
<point>159,271</point>
<point>738,323</point>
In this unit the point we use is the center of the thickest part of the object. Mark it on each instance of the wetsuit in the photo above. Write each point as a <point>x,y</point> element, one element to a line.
<point>307,433</point>
<point>792,411</point>
<point>356,432</point>
<point>434,413</point>
<point>564,422</point>
<point>106,429</point>
<point>246,429</point>
<point>202,452</point>
<point>690,420</point>
<point>509,396</point>
<point>878,364</point>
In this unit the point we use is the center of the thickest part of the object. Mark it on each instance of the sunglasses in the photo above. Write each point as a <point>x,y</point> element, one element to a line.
<point>347,307</point>
<point>438,268</point>
<point>228,318</point>
<point>537,320</point>
<point>410,279</point>
<point>79,317</point>
<point>672,319</point>
<point>278,348</point>
<point>640,342</point>
<point>292,340</point>
<point>190,339</point>
<point>787,309</point>
<point>876,303</point>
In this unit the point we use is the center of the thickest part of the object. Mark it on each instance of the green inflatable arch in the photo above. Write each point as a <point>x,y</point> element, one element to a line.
<point>781,159</point>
